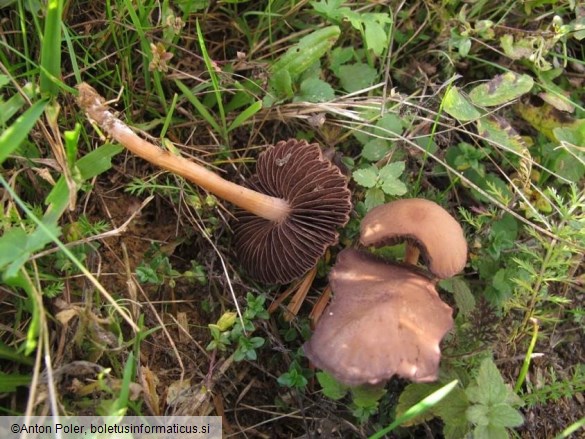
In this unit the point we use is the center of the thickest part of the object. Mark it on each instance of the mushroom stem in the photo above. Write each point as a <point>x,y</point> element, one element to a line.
<point>271,208</point>
<point>411,254</point>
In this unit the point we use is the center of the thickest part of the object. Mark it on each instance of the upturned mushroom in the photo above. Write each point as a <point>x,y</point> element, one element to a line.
<point>295,202</point>
<point>424,225</point>
<point>384,320</point>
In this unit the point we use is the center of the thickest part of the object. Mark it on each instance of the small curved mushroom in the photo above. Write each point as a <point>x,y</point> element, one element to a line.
<point>424,224</point>
<point>295,202</point>
<point>384,320</point>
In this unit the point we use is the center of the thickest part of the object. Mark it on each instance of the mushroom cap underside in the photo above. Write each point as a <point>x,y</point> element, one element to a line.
<point>423,223</point>
<point>384,320</point>
<point>319,200</point>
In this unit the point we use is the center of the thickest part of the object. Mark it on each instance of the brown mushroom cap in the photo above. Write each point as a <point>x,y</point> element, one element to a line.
<point>385,319</point>
<point>319,200</point>
<point>423,223</point>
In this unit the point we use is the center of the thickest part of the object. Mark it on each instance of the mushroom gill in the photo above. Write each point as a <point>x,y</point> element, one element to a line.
<point>319,202</point>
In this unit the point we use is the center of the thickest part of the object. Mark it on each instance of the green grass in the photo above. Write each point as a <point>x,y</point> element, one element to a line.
<point>107,260</point>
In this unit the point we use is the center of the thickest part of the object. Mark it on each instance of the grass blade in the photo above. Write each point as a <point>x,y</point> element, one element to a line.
<point>51,50</point>
<point>214,81</point>
<point>13,136</point>
<point>245,115</point>
<point>198,106</point>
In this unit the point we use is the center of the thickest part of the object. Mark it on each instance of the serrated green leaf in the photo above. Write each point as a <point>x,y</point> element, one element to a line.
<point>501,89</point>
<point>331,387</point>
<point>367,396</point>
<point>355,77</point>
<point>366,177</point>
<point>329,8</point>
<point>453,407</point>
<point>490,384</point>
<point>375,35</point>
<point>458,107</point>
<point>394,187</point>
<point>461,293</point>
<point>374,197</point>
<point>388,124</point>
<point>391,171</point>
<point>388,175</point>
<point>315,90</point>
<point>504,415</point>
<point>478,414</point>
<point>340,56</point>
<point>375,149</point>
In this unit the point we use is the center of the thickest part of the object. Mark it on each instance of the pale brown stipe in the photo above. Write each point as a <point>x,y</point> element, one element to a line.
<point>421,223</point>
<point>319,200</point>
<point>384,320</point>
<point>295,202</point>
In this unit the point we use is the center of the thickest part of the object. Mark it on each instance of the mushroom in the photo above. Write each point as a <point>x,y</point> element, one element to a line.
<point>294,203</point>
<point>424,225</point>
<point>385,319</point>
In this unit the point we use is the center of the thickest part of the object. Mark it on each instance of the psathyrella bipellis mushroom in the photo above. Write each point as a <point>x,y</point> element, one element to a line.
<point>387,319</point>
<point>384,320</point>
<point>423,224</point>
<point>297,198</point>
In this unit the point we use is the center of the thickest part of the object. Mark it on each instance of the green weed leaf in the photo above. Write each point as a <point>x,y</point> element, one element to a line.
<point>375,149</point>
<point>501,134</point>
<point>501,89</point>
<point>294,378</point>
<point>329,9</point>
<point>332,388</point>
<point>315,90</point>
<point>491,388</point>
<point>388,175</point>
<point>375,35</point>
<point>366,177</point>
<point>298,58</point>
<point>388,124</point>
<point>478,414</point>
<point>461,293</point>
<point>490,432</point>
<point>355,77</point>
<point>374,197</point>
<point>16,247</point>
<point>457,106</point>
<point>503,415</point>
